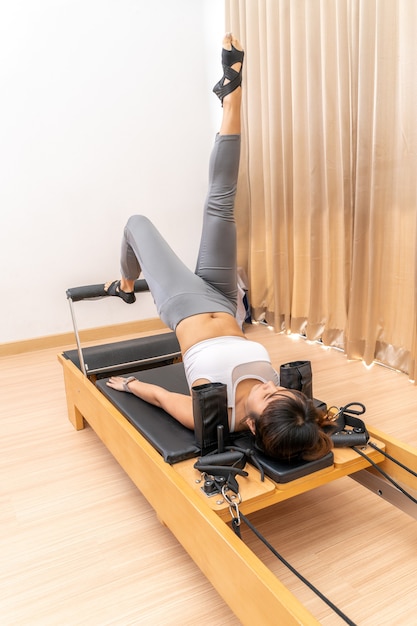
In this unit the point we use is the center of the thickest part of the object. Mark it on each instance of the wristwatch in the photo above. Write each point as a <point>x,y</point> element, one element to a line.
<point>126,382</point>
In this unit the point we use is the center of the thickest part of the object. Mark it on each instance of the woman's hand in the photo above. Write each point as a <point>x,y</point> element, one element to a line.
<point>117,382</point>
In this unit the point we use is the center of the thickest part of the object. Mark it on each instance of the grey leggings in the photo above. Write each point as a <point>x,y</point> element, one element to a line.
<point>177,291</point>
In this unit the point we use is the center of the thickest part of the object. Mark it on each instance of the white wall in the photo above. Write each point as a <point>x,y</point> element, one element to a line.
<point>106,110</point>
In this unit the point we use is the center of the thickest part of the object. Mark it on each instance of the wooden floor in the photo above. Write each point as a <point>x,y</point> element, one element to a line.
<point>81,546</point>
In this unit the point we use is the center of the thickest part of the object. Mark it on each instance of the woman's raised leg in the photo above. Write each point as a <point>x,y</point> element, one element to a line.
<point>144,248</point>
<point>216,262</point>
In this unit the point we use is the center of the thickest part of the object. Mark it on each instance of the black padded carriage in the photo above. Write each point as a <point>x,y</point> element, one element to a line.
<point>176,443</point>
<point>172,440</point>
<point>154,359</point>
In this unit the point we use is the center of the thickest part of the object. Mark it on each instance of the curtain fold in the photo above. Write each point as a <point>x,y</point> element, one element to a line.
<point>326,207</point>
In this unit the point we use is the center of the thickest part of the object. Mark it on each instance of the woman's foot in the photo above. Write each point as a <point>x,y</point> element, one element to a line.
<point>113,288</point>
<point>232,61</point>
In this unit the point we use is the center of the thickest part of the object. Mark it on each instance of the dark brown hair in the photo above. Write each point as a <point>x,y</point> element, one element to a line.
<point>290,426</point>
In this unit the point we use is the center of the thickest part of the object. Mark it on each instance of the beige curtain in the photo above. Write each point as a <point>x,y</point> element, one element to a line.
<point>327,199</point>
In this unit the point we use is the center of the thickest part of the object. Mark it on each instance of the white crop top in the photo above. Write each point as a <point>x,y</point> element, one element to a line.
<point>228,360</point>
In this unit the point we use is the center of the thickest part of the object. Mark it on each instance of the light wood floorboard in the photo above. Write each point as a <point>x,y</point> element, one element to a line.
<point>80,545</point>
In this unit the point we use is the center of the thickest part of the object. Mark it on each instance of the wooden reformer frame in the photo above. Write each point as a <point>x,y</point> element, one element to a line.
<point>213,545</point>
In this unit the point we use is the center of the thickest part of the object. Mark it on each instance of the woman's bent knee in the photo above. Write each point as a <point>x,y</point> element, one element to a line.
<point>137,220</point>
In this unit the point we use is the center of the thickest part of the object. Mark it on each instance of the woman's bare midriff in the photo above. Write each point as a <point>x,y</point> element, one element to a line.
<point>204,326</point>
<point>208,326</point>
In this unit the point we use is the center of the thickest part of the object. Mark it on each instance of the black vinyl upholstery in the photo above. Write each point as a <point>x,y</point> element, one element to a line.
<point>172,440</point>
<point>126,356</point>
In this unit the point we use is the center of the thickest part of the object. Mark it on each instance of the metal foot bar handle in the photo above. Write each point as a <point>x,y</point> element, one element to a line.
<point>88,292</point>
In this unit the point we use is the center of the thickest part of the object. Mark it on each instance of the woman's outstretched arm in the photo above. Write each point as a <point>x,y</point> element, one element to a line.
<point>178,405</point>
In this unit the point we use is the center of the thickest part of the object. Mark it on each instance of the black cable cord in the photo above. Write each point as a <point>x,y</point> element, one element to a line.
<point>384,474</point>
<point>391,458</point>
<point>236,528</point>
<point>294,571</point>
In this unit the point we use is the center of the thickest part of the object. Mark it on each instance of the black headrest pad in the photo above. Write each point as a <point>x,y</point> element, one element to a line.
<point>279,470</point>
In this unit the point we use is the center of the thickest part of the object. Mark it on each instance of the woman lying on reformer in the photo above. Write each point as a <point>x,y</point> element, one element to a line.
<point>200,307</point>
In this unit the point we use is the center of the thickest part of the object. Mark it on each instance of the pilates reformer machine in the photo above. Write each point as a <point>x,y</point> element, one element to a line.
<point>214,491</point>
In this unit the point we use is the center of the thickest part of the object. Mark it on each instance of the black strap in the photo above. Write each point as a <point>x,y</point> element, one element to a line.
<point>384,474</point>
<point>236,527</point>
<point>220,470</point>
<point>237,517</point>
<point>251,455</point>
<point>391,458</point>
<point>294,571</point>
<point>356,433</point>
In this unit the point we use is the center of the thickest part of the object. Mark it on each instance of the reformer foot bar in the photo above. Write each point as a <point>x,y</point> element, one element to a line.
<point>125,353</point>
<point>158,454</point>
